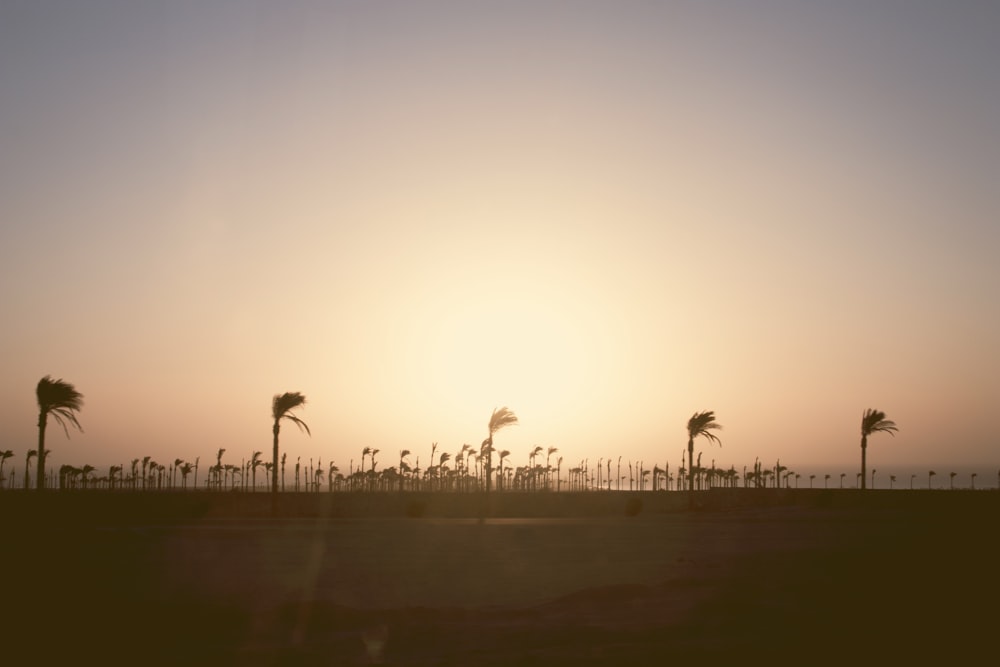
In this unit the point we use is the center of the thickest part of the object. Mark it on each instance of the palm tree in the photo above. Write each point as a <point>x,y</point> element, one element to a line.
<point>62,401</point>
<point>548,468</point>
<point>951,480</point>
<point>930,473</point>
<point>402,466</point>
<point>892,480</point>
<point>255,462</point>
<point>501,418</point>
<point>185,470</point>
<point>872,421</point>
<point>4,455</point>
<point>27,466</point>
<point>700,424</point>
<point>504,453</point>
<point>973,481</point>
<point>281,408</point>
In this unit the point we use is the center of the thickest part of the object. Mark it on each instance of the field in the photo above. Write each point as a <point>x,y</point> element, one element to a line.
<point>546,579</point>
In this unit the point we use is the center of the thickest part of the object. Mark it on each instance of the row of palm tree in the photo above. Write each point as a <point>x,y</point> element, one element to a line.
<point>61,401</point>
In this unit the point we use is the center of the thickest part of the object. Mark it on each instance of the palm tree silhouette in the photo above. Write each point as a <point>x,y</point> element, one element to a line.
<point>281,408</point>
<point>62,401</point>
<point>951,480</point>
<point>4,455</point>
<point>700,424</point>
<point>186,469</point>
<point>501,418</point>
<point>255,462</point>
<point>872,421</point>
<point>27,466</point>
<point>930,473</point>
<point>504,453</point>
<point>402,466</point>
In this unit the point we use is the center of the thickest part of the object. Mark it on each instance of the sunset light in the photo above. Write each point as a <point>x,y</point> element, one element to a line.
<point>606,219</point>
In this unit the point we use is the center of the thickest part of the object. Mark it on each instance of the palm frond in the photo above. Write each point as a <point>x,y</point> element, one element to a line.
<point>61,400</point>
<point>500,418</point>
<point>874,421</point>
<point>282,403</point>
<point>702,424</point>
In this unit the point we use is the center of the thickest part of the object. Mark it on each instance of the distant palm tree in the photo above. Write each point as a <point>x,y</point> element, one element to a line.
<point>892,480</point>
<point>501,418</point>
<point>27,466</point>
<point>186,469</point>
<point>255,462</point>
<point>4,455</point>
<point>281,408</point>
<point>842,475</point>
<point>872,421</point>
<point>911,480</point>
<point>826,481</point>
<point>930,473</point>
<point>504,453</point>
<point>951,480</point>
<point>402,466</point>
<point>174,472</point>
<point>62,401</point>
<point>85,474</point>
<point>548,468</point>
<point>973,481</point>
<point>700,424</point>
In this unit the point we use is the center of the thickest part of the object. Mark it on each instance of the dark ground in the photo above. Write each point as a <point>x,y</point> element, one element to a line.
<point>748,577</point>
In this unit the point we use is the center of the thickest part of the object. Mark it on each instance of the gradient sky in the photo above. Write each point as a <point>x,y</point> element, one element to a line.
<point>604,215</point>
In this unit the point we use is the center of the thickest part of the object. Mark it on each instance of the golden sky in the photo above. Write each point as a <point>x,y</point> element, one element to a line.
<point>606,216</point>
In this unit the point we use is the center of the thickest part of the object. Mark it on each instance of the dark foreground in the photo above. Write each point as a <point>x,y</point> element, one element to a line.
<point>821,577</point>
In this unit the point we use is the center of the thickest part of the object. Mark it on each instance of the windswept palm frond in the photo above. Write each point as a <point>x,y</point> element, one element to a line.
<point>874,421</point>
<point>283,404</point>
<point>501,417</point>
<point>61,400</point>
<point>702,424</point>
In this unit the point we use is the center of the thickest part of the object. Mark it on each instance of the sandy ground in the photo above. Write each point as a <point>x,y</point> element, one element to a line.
<point>824,584</point>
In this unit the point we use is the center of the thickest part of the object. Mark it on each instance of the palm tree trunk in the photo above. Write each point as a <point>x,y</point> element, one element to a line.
<point>864,453</point>
<point>274,459</point>
<point>690,471</point>
<point>40,481</point>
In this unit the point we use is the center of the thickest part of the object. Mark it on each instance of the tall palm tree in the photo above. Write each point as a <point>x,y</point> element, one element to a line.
<point>281,408</point>
<point>501,418</point>
<point>872,421</point>
<point>700,424</point>
<point>62,401</point>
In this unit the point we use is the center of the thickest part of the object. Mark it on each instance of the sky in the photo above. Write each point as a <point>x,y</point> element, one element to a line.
<point>604,215</point>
